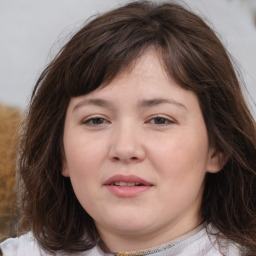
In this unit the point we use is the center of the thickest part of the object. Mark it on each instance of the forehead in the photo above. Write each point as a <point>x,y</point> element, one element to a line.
<point>144,84</point>
<point>147,67</point>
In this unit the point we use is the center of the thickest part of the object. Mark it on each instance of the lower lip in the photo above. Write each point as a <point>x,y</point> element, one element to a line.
<point>127,191</point>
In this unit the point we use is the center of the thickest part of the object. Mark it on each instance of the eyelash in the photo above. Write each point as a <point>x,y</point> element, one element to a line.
<point>167,121</point>
<point>98,121</point>
<point>93,121</point>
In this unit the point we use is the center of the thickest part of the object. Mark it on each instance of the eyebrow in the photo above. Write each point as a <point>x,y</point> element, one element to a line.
<point>95,102</point>
<point>158,101</point>
<point>141,103</point>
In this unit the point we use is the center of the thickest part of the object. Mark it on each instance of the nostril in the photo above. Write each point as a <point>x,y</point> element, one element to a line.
<point>116,159</point>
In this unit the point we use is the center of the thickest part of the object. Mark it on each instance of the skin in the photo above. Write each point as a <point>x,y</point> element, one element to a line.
<point>142,124</point>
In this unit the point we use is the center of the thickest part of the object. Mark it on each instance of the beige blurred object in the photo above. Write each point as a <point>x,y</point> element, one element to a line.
<point>10,119</point>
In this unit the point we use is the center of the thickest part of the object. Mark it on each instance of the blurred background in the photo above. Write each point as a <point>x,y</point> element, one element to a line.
<point>32,32</point>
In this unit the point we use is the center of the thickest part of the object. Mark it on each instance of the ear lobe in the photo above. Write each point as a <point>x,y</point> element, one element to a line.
<point>216,161</point>
<point>65,171</point>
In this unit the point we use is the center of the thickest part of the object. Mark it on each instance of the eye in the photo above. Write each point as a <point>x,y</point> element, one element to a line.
<point>159,120</point>
<point>95,121</point>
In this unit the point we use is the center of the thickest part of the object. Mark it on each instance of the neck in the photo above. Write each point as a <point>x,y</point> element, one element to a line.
<point>142,241</point>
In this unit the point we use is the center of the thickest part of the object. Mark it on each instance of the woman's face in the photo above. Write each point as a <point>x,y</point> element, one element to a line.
<point>137,152</point>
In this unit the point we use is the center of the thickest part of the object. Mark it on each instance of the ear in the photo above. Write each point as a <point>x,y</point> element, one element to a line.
<point>65,170</point>
<point>216,161</point>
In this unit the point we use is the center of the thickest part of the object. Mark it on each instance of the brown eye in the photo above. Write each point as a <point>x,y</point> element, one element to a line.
<point>95,121</point>
<point>161,121</point>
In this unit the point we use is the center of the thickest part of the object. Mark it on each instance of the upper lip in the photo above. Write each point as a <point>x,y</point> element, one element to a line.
<point>128,179</point>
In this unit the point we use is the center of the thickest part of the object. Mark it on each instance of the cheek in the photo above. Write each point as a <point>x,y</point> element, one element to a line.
<point>83,168</point>
<point>181,156</point>
<point>81,156</point>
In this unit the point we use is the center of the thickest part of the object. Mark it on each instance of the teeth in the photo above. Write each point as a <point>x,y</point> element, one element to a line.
<point>126,184</point>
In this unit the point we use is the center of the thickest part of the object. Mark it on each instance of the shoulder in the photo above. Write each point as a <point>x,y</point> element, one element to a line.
<point>27,245</point>
<point>96,251</point>
<point>20,246</point>
<point>204,243</point>
<point>213,244</point>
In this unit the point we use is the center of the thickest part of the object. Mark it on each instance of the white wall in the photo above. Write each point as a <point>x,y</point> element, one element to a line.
<point>32,31</point>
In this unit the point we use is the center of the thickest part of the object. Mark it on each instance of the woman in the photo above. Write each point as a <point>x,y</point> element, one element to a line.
<point>138,142</point>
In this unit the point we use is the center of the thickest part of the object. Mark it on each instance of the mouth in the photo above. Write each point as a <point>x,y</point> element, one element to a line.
<point>127,186</point>
<point>126,181</point>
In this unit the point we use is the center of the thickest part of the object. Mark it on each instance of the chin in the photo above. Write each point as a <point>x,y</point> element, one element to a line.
<point>129,227</point>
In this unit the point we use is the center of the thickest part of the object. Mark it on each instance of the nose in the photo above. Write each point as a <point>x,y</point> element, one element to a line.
<point>127,144</point>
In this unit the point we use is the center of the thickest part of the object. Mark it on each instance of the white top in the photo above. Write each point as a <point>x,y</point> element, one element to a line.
<point>197,244</point>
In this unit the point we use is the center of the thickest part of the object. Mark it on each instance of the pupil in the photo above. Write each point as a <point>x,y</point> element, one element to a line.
<point>160,120</point>
<point>97,121</point>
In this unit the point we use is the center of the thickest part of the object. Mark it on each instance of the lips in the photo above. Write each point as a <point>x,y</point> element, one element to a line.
<point>127,186</point>
<point>126,181</point>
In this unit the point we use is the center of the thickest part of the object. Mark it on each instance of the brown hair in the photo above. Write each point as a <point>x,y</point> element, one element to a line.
<point>195,58</point>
